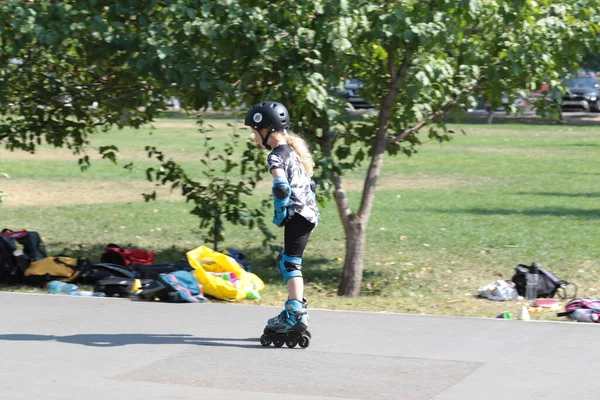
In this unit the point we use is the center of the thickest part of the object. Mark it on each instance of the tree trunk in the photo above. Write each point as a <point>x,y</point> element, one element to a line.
<point>355,224</point>
<point>354,262</point>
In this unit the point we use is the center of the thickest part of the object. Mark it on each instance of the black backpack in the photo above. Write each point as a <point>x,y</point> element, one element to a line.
<point>17,250</point>
<point>94,273</point>
<point>548,284</point>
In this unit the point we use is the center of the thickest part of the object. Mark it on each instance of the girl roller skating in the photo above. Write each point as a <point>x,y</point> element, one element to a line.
<point>296,211</point>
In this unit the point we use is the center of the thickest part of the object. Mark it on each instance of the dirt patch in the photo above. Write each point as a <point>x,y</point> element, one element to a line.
<point>52,154</point>
<point>41,154</point>
<point>173,124</point>
<point>30,192</point>
<point>187,124</point>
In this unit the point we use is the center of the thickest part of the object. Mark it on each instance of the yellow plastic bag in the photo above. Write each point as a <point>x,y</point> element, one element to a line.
<point>209,265</point>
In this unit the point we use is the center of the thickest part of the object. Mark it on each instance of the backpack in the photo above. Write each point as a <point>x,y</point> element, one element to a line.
<point>94,273</point>
<point>548,284</point>
<point>115,254</point>
<point>17,250</point>
<point>176,287</point>
<point>582,310</point>
<point>65,269</point>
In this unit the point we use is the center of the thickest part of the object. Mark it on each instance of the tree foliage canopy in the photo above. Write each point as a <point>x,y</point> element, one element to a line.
<point>419,61</point>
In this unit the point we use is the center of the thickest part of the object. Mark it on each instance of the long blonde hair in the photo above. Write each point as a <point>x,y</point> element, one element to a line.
<point>298,144</point>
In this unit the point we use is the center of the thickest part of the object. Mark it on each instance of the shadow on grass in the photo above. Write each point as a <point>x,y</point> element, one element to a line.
<point>548,211</point>
<point>125,339</point>
<point>560,194</point>
<point>94,252</point>
<point>582,145</point>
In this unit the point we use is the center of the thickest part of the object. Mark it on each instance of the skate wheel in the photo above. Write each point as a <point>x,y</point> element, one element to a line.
<point>278,342</point>
<point>265,340</point>
<point>291,343</point>
<point>304,341</point>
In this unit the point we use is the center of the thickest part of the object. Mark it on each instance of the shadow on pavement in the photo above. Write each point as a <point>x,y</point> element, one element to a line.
<point>124,339</point>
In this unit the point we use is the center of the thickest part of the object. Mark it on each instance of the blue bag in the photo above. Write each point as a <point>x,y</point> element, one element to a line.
<point>176,287</point>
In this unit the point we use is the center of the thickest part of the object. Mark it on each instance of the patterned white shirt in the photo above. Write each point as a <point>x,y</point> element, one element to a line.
<point>302,199</point>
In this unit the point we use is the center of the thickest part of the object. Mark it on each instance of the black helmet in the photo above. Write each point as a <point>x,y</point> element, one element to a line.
<point>269,114</point>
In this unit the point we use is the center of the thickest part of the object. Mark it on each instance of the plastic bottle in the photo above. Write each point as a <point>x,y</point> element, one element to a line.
<point>533,278</point>
<point>584,315</point>
<point>59,287</point>
<point>88,293</point>
<point>253,294</point>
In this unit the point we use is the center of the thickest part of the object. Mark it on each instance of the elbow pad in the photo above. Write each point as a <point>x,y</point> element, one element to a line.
<point>281,191</point>
<point>281,199</point>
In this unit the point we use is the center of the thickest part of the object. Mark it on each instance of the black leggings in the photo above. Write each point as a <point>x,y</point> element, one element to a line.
<point>297,231</point>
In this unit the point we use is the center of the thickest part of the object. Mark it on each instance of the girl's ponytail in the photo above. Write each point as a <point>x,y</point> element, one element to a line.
<point>301,149</point>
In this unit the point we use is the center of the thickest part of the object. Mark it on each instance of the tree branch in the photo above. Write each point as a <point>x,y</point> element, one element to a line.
<point>419,125</point>
<point>341,199</point>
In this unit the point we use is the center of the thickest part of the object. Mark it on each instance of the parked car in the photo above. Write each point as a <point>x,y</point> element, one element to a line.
<point>583,91</point>
<point>351,93</point>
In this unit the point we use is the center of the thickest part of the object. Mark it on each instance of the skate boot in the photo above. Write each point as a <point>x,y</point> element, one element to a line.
<point>273,321</point>
<point>289,327</point>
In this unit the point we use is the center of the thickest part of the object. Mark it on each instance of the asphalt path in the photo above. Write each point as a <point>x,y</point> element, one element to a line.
<point>63,347</point>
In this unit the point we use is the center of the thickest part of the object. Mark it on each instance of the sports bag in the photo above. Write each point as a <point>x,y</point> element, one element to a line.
<point>92,274</point>
<point>582,310</point>
<point>65,269</point>
<point>115,254</point>
<point>17,250</point>
<point>548,284</point>
<point>176,287</point>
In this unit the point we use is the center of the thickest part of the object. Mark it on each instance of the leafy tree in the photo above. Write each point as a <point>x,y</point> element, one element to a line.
<point>221,197</point>
<point>420,61</point>
<point>74,68</point>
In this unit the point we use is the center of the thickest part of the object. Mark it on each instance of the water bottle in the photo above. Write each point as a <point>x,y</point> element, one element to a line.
<point>59,287</point>
<point>533,278</point>
<point>584,315</point>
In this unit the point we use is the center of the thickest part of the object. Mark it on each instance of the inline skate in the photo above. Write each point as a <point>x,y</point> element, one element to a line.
<point>290,327</point>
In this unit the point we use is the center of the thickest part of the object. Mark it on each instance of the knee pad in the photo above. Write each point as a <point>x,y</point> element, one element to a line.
<point>290,267</point>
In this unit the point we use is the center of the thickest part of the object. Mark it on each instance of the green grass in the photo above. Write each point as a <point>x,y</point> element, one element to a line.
<point>446,221</point>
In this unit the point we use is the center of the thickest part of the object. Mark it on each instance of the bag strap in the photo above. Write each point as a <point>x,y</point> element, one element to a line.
<point>562,288</point>
<point>522,268</point>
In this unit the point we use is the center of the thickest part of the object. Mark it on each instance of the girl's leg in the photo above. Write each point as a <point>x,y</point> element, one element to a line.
<point>295,287</point>
<point>297,232</point>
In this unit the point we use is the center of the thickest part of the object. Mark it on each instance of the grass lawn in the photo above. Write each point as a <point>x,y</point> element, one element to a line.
<point>446,221</point>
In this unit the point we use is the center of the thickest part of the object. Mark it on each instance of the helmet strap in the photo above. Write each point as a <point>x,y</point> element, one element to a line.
<point>265,139</point>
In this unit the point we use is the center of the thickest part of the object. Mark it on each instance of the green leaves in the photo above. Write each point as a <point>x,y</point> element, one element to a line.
<point>72,69</point>
<point>220,197</point>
